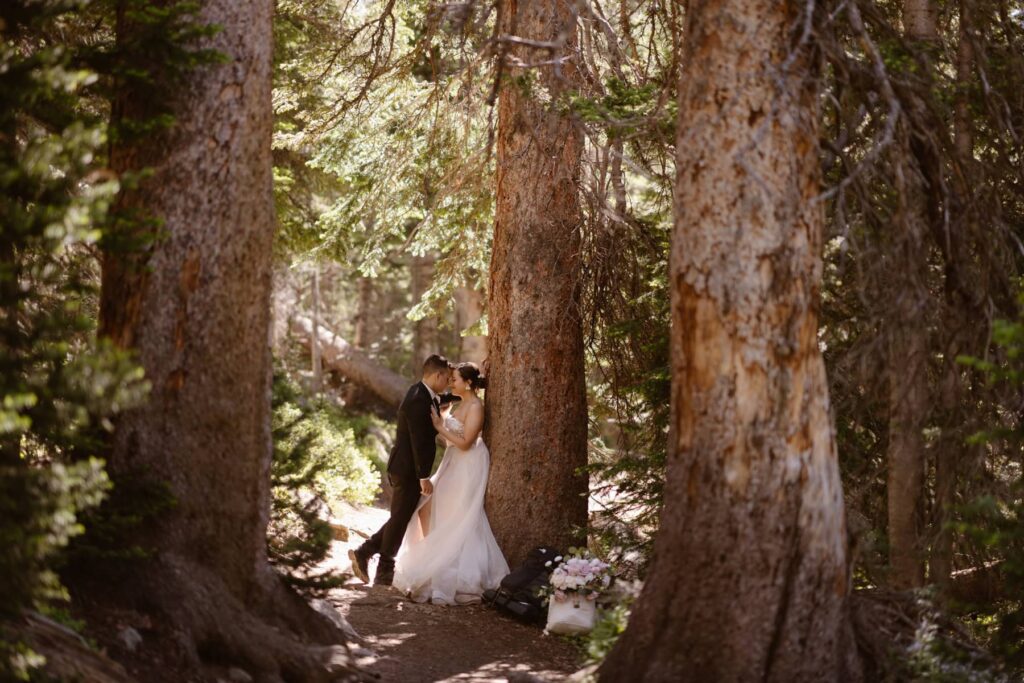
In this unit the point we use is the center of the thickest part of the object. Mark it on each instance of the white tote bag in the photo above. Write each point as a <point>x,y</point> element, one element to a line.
<point>575,615</point>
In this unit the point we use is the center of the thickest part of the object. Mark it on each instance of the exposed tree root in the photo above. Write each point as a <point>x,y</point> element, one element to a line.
<point>274,635</point>
<point>888,623</point>
<point>68,655</point>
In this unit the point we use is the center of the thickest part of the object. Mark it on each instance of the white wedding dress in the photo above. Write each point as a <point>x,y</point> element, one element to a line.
<point>457,558</point>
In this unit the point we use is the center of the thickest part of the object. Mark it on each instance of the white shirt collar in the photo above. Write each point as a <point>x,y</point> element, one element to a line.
<point>433,395</point>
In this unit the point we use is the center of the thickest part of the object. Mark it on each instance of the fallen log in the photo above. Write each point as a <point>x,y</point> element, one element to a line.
<point>340,356</point>
<point>979,585</point>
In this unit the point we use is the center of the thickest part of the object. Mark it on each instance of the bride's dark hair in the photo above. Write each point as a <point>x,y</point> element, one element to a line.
<point>470,372</point>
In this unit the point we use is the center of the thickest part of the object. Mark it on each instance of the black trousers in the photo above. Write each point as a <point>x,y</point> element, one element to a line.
<point>405,496</point>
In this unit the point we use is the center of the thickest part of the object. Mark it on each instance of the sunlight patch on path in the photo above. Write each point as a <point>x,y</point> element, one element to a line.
<point>411,642</point>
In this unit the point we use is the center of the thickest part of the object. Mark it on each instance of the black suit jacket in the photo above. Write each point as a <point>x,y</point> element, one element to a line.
<point>412,456</point>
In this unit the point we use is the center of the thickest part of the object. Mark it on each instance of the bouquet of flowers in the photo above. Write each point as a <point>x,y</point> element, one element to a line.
<point>576,582</point>
<point>579,574</point>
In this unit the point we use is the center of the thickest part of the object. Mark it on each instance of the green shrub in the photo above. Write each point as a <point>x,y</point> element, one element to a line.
<point>58,386</point>
<point>611,622</point>
<point>995,523</point>
<point>319,465</point>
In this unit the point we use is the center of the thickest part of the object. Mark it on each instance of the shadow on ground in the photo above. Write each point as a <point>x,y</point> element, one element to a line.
<point>408,642</point>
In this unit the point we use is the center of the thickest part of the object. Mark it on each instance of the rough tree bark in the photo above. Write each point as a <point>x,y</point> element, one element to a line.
<point>750,576</point>
<point>907,355</point>
<point>537,411</point>
<point>196,309</point>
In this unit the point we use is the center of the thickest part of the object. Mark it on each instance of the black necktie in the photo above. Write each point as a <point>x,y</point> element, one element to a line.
<point>437,404</point>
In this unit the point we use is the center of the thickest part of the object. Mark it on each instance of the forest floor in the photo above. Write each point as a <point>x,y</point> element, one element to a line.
<point>407,642</point>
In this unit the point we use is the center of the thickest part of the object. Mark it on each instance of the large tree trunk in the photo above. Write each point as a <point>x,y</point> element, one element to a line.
<point>196,309</point>
<point>537,410</point>
<point>749,580</point>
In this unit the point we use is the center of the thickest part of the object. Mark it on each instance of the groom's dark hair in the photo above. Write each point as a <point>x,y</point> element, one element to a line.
<point>435,363</point>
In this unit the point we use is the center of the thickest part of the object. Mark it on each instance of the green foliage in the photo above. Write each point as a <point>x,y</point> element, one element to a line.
<point>339,463</point>
<point>162,44</point>
<point>631,405</point>
<point>19,660</point>
<point>58,386</point>
<point>995,522</point>
<point>115,530</point>
<point>611,623</point>
<point>900,114</point>
<point>627,110</point>
<point>319,465</point>
<point>938,653</point>
<point>612,620</point>
<point>38,506</point>
<point>378,158</point>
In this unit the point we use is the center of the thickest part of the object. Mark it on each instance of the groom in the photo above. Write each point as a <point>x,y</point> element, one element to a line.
<point>412,458</point>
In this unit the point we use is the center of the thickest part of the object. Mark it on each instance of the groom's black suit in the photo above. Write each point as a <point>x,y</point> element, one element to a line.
<point>412,458</point>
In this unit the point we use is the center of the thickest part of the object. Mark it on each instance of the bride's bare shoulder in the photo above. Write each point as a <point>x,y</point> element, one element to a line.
<point>475,406</point>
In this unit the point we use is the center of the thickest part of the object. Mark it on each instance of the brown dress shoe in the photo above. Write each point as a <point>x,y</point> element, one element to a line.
<point>360,565</point>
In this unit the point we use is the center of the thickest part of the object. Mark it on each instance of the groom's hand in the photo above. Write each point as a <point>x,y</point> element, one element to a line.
<point>426,487</point>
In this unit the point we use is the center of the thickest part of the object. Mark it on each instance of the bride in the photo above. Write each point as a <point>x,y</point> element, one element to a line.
<point>449,555</point>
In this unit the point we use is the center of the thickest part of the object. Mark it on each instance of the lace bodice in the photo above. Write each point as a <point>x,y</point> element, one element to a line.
<point>454,425</point>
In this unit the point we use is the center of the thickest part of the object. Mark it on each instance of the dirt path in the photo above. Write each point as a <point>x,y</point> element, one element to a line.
<point>407,642</point>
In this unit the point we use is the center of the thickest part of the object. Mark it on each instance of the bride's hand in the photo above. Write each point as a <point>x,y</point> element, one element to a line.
<point>436,420</point>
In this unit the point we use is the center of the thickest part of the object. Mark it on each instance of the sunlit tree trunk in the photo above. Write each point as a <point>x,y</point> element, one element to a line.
<point>537,411</point>
<point>196,309</point>
<point>749,580</point>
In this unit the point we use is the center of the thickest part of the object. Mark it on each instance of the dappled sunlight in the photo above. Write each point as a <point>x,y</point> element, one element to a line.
<point>405,641</point>
<point>500,671</point>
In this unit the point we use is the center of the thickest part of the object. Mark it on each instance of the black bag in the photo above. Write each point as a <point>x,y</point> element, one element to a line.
<point>519,594</point>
